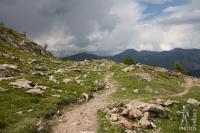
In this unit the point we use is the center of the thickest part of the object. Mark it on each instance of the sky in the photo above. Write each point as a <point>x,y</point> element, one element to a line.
<point>105,27</point>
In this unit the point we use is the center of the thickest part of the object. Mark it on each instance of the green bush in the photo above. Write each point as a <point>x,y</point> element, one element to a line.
<point>178,67</point>
<point>128,60</point>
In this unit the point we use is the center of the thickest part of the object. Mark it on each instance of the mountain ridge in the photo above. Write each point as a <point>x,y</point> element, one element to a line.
<point>187,57</point>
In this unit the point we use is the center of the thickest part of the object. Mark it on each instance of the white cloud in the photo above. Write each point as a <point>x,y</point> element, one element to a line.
<point>104,27</point>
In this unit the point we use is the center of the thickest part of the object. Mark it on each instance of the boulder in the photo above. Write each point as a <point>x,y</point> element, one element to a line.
<point>193,102</point>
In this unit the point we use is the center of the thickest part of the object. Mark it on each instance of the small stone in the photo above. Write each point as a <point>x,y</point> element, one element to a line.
<point>135,113</point>
<point>153,125</point>
<point>170,102</point>
<point>86,96</point>
<point>20,112</point>
<point>114,118</point>
<point>136,91</point>
<point>144,122</point>
<point>67,80</point>
<point>56,95</point>
<point>85,76</point>
<point>35,91</point>
<point>114,110</point>
<point>40,87</point>
<point>30,110</point>
<point>125,112</point>
<point>52,78</point>
<point>123,89</point>
<point>126,124</point>
<point>193,102</point>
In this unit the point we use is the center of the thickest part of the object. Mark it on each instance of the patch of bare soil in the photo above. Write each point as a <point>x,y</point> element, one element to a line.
<point>83,119</point>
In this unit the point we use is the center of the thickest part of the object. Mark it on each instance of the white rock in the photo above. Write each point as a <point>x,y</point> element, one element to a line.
<point>136,91</point>
<point>22,83</point>
<point>67,80</point>
<point>9,66</point>
<point>193,102</point>
<point>35,91</point>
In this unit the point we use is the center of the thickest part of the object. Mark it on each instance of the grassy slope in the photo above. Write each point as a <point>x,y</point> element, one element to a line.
<point>16,100</point>
<point>163,83</point>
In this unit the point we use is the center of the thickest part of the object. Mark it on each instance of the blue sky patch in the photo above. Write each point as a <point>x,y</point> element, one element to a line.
<point>154,10</point>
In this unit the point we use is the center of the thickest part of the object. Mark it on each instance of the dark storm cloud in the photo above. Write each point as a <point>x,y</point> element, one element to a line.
<point>100,26</point>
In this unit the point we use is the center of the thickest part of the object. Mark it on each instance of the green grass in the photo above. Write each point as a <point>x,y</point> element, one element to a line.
<point>44,107</point>
<point>161,84</point>
<point>164,84</point>
<point>172,125</point>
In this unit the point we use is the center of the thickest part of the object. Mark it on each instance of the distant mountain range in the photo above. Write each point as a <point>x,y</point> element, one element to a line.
<point>189,58</point>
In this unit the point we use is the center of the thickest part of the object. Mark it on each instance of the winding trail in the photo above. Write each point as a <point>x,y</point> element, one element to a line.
<point>83,119</point>
<point>188,86</point>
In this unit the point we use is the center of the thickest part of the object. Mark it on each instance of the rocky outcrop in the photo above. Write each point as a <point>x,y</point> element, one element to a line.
<point>136,115</point>
<point>10,37</point>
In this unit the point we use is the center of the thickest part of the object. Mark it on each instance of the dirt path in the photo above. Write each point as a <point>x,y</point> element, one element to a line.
<point>83,119</point>
<point>188,86</point>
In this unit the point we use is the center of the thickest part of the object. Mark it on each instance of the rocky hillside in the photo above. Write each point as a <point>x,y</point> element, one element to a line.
<point>10,38</point>
<point>34,85</point>
<point>37,89</point>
